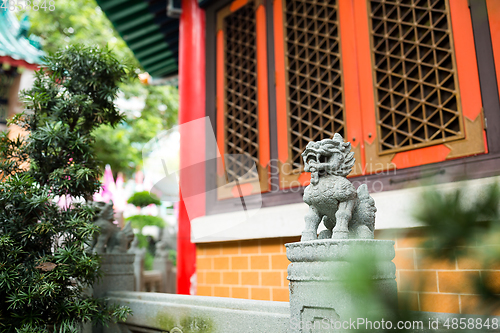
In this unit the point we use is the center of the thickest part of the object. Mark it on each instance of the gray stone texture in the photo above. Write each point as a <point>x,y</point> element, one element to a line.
<point>138,263</point>
<point>322,285</point>
<point>118,274</point>
<point>111,239</point>
<point>168,272</point>
<point>332,199</point>
<point>164,265</point>
<point>155,312</point>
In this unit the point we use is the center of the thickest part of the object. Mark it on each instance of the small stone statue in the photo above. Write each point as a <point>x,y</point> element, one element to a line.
<point>111,239</point>
<point>119,242</point>
<point>332,199</point>
<point>168,242</point>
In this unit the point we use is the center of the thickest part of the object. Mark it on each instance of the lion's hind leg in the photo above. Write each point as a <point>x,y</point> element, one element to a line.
<point>343,217</point>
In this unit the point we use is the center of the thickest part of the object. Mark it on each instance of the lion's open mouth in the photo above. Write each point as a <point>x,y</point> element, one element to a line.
<point>316,159</point>
<point>311,158</point>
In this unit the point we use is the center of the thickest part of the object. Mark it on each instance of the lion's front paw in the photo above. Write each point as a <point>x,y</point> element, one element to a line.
<point>340,234</point>
<point>308,235</point>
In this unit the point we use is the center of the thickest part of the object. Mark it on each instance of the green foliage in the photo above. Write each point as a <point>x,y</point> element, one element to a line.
<point>83,22</point>
<point>143,199</point>
<point>121,147</point>
<point>457,225</point>
<point>143,243</point>
<point>44,265</point>
<point>71,97</point>
<point>148,261</point>
<point>161,105</point>
<point>172,256</point>
<point>77,22</point>
<point>140,221</point>
<point>114,147</point>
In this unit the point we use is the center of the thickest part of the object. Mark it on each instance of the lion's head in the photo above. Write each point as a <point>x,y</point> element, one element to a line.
<point>328,156</point>
<point>106,211</point>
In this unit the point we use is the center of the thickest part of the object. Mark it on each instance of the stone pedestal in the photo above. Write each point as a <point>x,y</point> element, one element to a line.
<point>323,290</point>
<point>118,274</point>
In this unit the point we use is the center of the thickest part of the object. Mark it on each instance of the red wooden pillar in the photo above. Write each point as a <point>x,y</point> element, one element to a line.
<point>191,107</point>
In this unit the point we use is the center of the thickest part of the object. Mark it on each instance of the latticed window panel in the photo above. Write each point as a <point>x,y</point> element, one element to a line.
<point>415,74</point>
<point>241,114</point>
<point>314,74</point>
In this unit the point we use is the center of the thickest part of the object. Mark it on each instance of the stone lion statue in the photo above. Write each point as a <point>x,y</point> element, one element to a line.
<point>332,199</point>
<point>111,239</point>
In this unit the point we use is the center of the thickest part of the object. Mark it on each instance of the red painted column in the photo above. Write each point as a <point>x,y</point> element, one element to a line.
<point>191,107</point>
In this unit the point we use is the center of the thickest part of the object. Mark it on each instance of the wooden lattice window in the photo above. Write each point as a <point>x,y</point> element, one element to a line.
<point>416,84</point>
<point>241,128</point>
<point>310,84</point>
<point>241,93</point>
<point>315,99</point>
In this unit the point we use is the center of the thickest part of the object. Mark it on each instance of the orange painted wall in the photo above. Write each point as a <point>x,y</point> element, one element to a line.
<point>256,269</point>
<point>437,285</point>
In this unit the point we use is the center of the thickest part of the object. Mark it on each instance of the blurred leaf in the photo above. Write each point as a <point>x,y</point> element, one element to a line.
<point>143,199</point>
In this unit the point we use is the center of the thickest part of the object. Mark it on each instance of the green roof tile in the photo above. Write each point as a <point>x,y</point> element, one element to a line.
<point>144,26</point>
<point>13,43</point>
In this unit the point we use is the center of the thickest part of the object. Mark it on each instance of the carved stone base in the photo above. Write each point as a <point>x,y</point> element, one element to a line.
<point>324,289</point>
<point>118,274</point>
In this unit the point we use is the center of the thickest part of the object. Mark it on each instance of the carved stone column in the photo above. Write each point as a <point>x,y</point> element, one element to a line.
<point>320,274</point>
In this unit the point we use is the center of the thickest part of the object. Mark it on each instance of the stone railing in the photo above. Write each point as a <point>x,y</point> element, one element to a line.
<point>155,312</point>
<point>118,274</point>
<point>322,272</point>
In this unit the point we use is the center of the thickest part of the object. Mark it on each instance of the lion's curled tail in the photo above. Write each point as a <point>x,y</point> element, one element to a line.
<point>363,219</point>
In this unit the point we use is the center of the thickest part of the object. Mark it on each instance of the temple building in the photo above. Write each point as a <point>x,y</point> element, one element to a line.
<point>412,84</point>
<point>19,57</point>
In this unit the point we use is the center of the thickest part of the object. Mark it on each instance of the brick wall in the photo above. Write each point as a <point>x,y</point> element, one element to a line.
<point>439,285</point>
<point>253,269</point>
<point>256,269</point>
